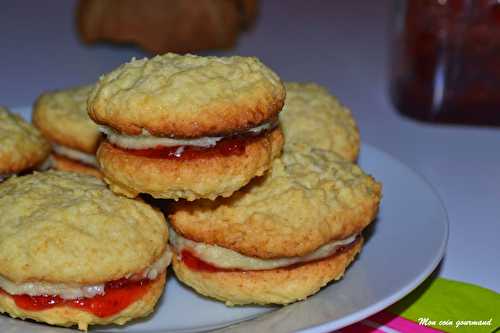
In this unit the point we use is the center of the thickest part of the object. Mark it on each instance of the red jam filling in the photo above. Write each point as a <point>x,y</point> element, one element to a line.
<point>235,145</point>
<point>196,264</point>
<point>118,295</point>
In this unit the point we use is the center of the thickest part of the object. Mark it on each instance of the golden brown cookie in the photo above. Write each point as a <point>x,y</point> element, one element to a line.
<point>187,126</point>
<point>22,147</point>
<point>310,197</point>
<point>187,96</point>
<point>282,237</point>
<point>69,316</point>
<point>314,118</point>
<point>195,174</point>
<point>74,253</point>
<point>274,286</point>
<point>62,118</point>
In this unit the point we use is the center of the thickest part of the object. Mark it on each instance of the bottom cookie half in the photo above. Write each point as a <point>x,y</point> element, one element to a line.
<point>64,315</point>
<point>275,286</point>
<point>67,164</point>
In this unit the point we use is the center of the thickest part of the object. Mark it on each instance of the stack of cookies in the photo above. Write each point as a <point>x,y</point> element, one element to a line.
<point>264,203</point>
<point>250,223</point>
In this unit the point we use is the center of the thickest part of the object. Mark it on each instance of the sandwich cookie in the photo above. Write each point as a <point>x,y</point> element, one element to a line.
<point>62,118</point>
<point>312,117</point>
<point>282,237</point>
<point>187,126</point>
<point>74,253</point>
<point>22,146</point>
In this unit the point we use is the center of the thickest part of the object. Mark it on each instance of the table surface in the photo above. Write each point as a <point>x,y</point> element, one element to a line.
<point>340,44</point>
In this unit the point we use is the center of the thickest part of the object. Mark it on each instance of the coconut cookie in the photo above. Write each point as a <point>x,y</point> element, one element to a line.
<point>22,147</point>
<point>74,253</point>
<point>62,118</point>
<point>187,126</point>
<point>282,237</point>
<point>314,118</point>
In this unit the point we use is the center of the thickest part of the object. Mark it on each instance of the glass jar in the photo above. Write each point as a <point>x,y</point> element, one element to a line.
<point>445,61</point>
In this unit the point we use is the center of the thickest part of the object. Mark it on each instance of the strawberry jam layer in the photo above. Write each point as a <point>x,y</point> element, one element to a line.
<point>235,145</point>
<point>118,295</point>
<point>197,264</point>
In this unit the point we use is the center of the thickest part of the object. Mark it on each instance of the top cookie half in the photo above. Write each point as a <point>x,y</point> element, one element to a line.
<point>61,227</point>
<point>187,96</point>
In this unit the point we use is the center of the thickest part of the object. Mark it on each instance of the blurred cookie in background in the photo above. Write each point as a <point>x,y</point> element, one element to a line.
<point>165,25</point>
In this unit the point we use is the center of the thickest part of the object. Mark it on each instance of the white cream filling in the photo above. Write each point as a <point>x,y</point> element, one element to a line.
<point>225,258</point>
<point>156,268</point>
<point>66,291</point>
<point>45,165</point>
<point>75,154</point>
<point>146,140</point>
<point>72,291</point>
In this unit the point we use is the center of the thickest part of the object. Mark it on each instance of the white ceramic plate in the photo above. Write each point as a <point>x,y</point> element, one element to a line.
<point>402,248</point>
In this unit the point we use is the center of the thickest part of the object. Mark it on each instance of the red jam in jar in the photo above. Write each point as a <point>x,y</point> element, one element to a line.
<point>445,61</point>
